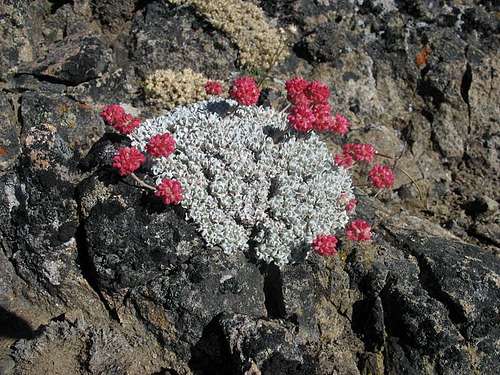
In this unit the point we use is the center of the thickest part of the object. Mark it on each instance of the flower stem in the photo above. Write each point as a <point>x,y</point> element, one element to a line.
<point>232,110</point>
<point>271,65</point>
<point>414,183</point>
<point>383,155</point>
<point>142,183</point>
<point>285,108</point>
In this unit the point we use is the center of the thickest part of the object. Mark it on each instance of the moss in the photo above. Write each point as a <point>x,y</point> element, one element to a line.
<point>169,88</point>
<point>260,45</point>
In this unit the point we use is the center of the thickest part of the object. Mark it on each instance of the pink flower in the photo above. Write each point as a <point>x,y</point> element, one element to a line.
<point>348,149</point>
<point>161,145</point>
<point>325,245</point>
<point>245,91</point>
<point>302,118</point>
<point>115,116</point>
<point>127,160</point>
<point>359,230</point>
<point>351,205</point>
<point>317,92</point>
<point>341,125</point>
<point>360,151</point>
<point>381,176</point>
<point>213,88</point>
<point>295,89</point>
<point>126,124</point>
<point>170,191</point>
<point>365,152</point>
<point>323,118</point>
<point>111,113</point>
<point>344,160</point>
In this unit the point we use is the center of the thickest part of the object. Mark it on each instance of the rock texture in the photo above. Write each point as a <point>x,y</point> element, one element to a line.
<point>97,277</point>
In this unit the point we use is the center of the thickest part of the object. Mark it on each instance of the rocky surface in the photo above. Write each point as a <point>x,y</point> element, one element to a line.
<point>97,277</point>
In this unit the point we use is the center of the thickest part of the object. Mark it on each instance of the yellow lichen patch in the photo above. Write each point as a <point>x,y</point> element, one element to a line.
<point>168,88</point>
<point>260,44</point>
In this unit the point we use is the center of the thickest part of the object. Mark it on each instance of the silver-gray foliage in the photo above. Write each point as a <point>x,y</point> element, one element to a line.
<point>241,186</point>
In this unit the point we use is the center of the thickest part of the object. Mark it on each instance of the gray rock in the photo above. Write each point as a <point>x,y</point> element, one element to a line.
<point>74,60</point>
<point>237,344</point>
<point>139,247</point>
<point>78,125</point>
<point>189,37</point>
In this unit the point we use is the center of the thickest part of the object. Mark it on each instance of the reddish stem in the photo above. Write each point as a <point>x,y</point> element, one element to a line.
<point>142,183</point>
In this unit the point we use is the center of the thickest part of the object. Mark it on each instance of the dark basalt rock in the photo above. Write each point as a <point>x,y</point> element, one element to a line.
<point>436,303</point>
<point>113,13</point>
<point>237,344</point>
<point>78,125</point>
<point>189,37</point>
<point>45,217</point>
<point>74,60</point>
<point>137,246</point>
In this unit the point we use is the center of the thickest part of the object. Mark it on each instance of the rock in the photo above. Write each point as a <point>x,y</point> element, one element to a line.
<point>446,134</point>
<point>16,45</point>
<point>9,134</point>
<point>139,247</point>
<point>237,344</point>
<point>113,13</point>
<point>189,38</point>
<point>489,231</point>
<point>458,304</point>
<point>40,221</point>
<point>79,125</point>
<point>63,347</point>
<point>74,60</point>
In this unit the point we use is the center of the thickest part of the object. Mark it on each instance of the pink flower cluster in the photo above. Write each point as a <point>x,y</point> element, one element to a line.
<point>127,160</point>
<point>352,152</point>
<point>114,115</point>
<point>381,176</point>
<point>213,88</point>
<point>359,230</point>
<point>245,91</point>
<point>161,145</point>
<point>170,191</point>
<point>310,107</point>
<point>325,245</point>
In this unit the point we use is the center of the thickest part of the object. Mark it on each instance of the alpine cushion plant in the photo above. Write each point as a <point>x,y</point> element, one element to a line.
<point>240,185</point>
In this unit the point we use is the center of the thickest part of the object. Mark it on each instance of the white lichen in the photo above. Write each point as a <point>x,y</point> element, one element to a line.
<point>243,188</point>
